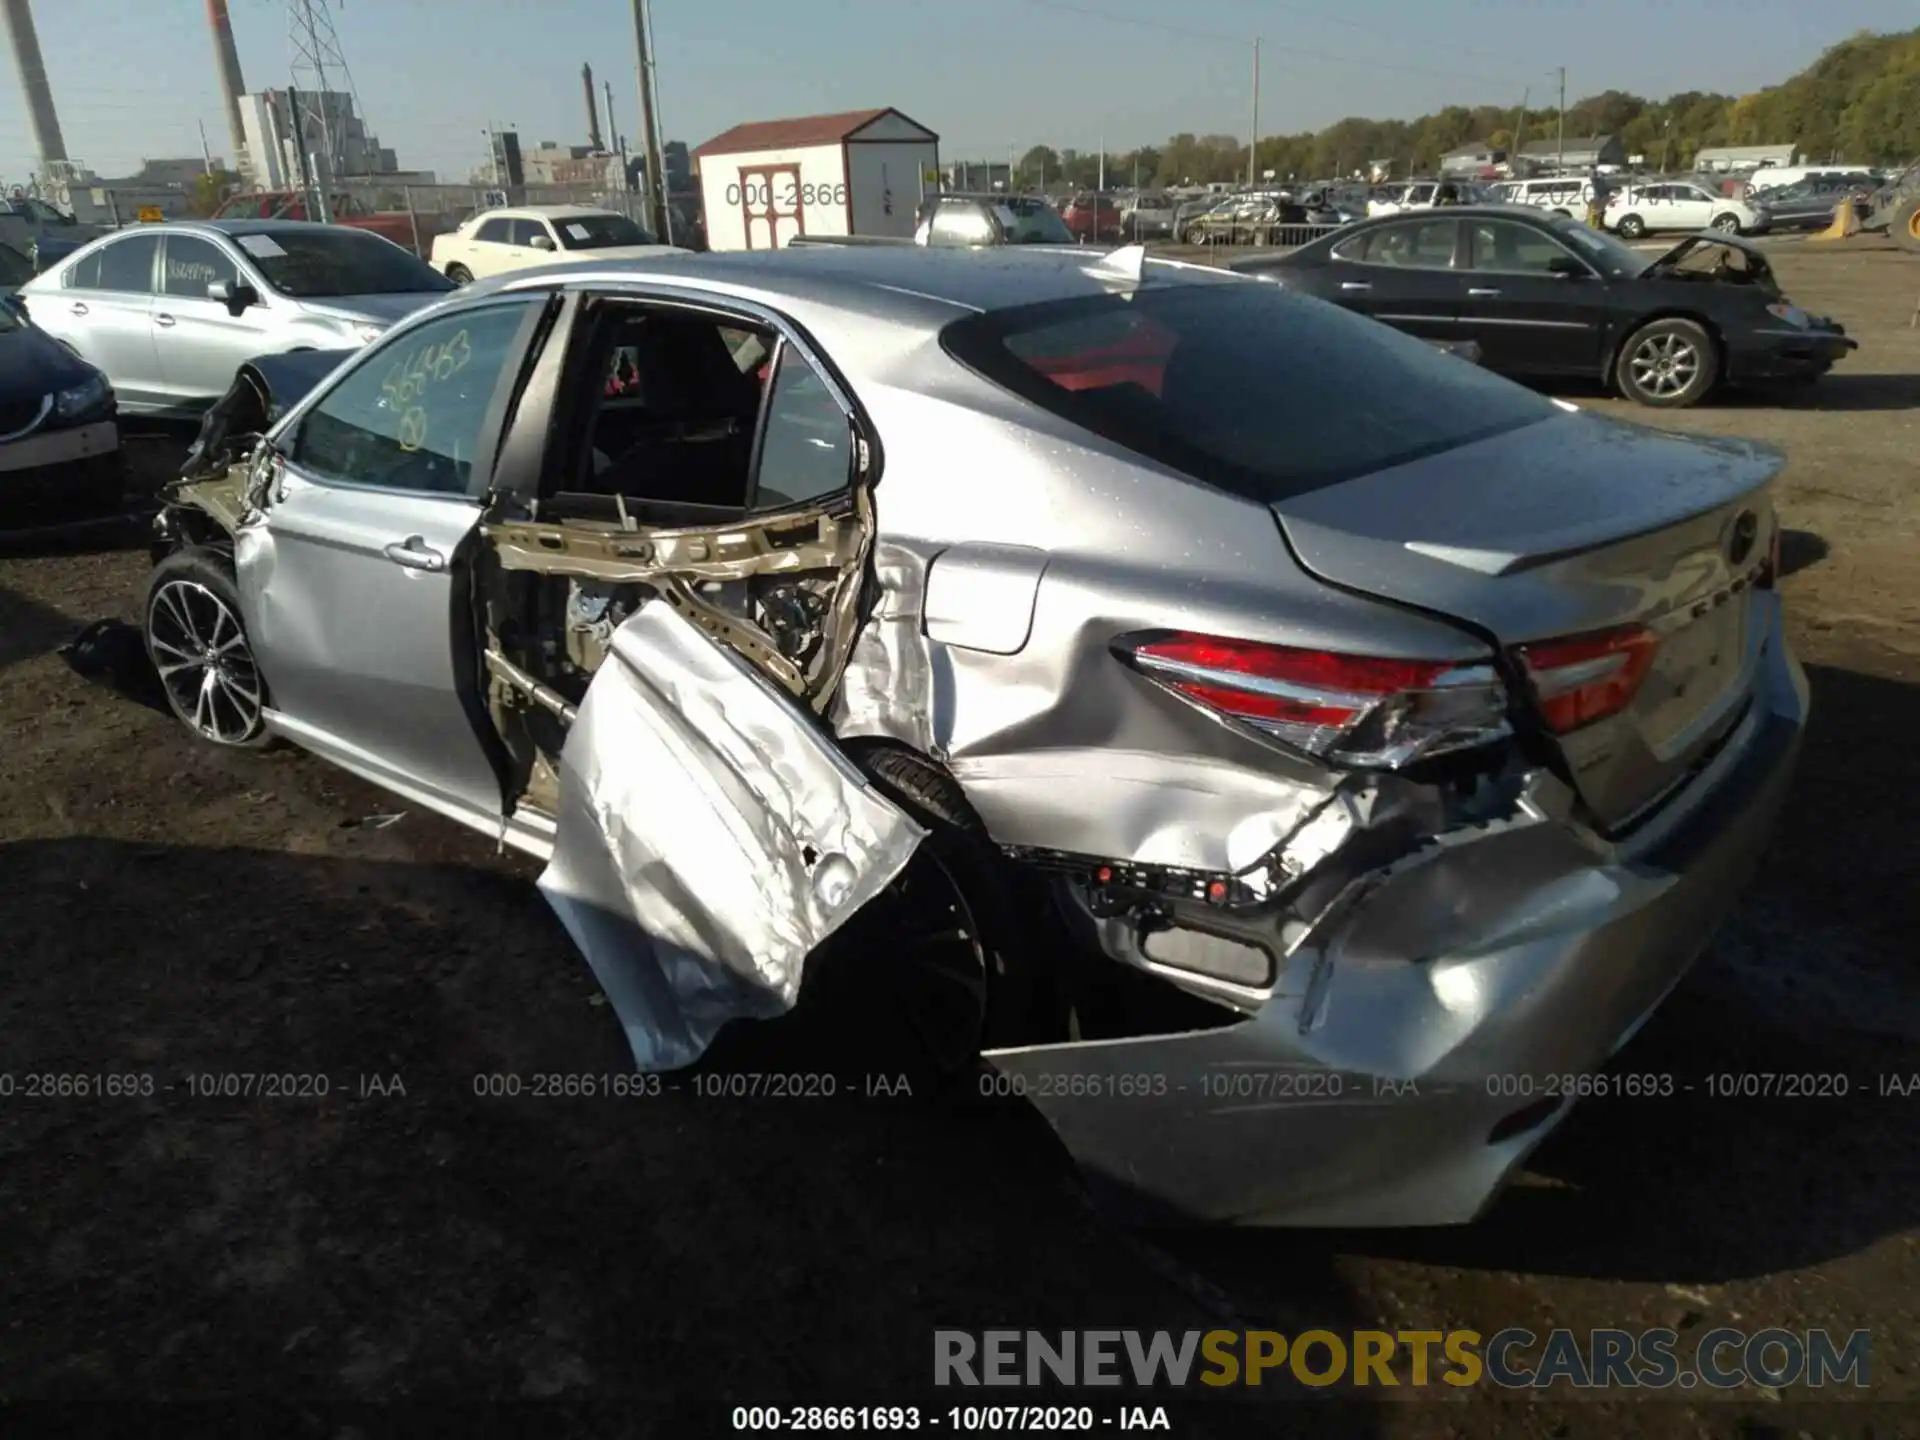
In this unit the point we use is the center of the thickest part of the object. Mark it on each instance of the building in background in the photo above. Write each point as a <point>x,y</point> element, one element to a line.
<point>1720,158</point>
<point>344,148</point>
<point>857,173</point>
<point>171,186</point>
<point>1577,152</point>
<point>679,166</point>
<point>976,175</point>
<point>1477,160</point>
<point>576,165</point>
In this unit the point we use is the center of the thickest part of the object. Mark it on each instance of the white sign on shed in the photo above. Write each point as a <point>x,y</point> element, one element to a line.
<point>858,173</point>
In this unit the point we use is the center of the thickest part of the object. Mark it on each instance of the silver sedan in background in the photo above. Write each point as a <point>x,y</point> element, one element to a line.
<point>1285,753</point>
<point>170,311</point>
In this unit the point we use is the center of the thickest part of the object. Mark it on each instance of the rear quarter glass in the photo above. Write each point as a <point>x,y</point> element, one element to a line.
<point>1259,391</point>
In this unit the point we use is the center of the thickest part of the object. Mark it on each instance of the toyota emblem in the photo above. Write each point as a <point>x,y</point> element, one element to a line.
<point>1746,529</point>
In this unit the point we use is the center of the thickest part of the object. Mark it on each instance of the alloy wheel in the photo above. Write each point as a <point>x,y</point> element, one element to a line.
<point>201,652</point>
<point>1913,224</point>
<point>1664,365</point>
<point>1727,224</point>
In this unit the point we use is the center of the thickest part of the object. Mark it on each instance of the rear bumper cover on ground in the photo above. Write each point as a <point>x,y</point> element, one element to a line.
<point>1373,1089</point>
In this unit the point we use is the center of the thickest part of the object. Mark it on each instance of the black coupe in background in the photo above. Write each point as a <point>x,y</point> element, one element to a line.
<point>1544,296</point>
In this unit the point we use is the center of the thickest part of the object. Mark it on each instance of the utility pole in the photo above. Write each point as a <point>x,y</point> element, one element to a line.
<point>1519,131</point>
<point>1253,145</point>
<point>656,174</point>
<point>206,151</point>
<point>300,152</point>
<point>1560,145</point>
<point>1102,186</point>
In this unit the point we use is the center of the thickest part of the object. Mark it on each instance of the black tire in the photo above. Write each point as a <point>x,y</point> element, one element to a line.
<point>1904,224</point>
<point>933,1003</point>
<point>1631,227</point>
<point>185,595</point>
<point>1667,364</point>
<point>1727,223</point>
<point>1564,214</point>
<point>459,274</point>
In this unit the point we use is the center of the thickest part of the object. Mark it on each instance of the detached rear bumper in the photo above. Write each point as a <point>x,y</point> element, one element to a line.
<point>1406,1063</point>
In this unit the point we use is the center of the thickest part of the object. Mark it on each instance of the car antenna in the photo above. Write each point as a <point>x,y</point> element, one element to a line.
<point>1129,262</point>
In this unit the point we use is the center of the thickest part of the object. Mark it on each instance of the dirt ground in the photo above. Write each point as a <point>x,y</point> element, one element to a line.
<point>172,912</point>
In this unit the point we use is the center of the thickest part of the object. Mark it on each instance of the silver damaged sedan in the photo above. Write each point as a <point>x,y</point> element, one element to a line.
<point>1291,746</point>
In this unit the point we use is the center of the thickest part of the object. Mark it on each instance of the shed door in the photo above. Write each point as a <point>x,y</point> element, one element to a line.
<point>770,205</point>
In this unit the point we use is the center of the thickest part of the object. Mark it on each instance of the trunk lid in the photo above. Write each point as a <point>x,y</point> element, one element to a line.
<point>1570,526</point>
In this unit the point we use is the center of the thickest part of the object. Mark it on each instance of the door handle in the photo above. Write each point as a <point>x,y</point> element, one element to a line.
<point>1483,294</point>
<point>76,308</point>
<point>415,555</point>
<point>163,320</point>
<point>1355,285</point>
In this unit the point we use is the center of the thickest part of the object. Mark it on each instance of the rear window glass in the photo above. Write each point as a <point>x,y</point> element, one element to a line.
<point>1249,387</point>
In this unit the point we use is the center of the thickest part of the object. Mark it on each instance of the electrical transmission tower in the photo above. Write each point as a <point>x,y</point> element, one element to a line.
<point>319,69</point>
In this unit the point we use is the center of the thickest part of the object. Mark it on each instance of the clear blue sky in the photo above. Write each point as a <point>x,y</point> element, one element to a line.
<point>136,78</point>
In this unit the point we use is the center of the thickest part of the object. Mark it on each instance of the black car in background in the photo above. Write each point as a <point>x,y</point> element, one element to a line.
<point>1809,204</point>
<point>59,434</point>
<point>1545,296</point>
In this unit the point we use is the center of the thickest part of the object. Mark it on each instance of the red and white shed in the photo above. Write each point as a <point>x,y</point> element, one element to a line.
<point>858,173</point>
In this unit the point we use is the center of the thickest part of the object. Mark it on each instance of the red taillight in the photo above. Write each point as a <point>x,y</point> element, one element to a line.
<point>1362,709</point>
<point>1588,677</point>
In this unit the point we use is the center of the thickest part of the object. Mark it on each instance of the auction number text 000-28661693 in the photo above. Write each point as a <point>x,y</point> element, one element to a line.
<point>790,194</point>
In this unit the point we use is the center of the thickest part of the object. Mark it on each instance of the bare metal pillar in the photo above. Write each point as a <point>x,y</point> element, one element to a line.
<point>33,80</point>
<point>593,109</point>
<point>226,58</point>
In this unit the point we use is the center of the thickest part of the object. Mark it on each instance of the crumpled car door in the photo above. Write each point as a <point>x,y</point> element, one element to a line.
<point>710,836</point>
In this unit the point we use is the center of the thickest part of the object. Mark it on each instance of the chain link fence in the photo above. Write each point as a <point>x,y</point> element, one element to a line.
<point>1255,233</point>
<point>436,209</point>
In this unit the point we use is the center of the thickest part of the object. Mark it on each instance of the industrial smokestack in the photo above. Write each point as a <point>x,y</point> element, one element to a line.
<point>593,109</point>
<point>226,56</point>
<point>33,80</point>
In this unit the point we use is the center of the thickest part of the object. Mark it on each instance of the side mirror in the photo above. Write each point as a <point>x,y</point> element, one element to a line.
<point>541,242</point>
<point>235,295</point>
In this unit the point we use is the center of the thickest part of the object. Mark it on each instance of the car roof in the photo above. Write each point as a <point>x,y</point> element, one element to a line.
<point>238,225</point>
<point>546,212</point>
<point>905,282</point>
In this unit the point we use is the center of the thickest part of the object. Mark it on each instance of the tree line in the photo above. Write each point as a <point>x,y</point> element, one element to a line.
<point>1858,103</point>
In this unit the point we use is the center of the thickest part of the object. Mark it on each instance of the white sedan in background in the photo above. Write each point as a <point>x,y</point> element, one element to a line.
<point>1680,205</point>
<point>496,241</point>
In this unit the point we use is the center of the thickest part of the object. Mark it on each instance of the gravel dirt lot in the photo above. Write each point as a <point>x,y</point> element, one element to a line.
<point>171,911</point>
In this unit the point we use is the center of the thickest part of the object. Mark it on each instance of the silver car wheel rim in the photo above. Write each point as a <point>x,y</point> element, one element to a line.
<point>201,652</point>
<point>1665,365</point>
<point>1726,224</point>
